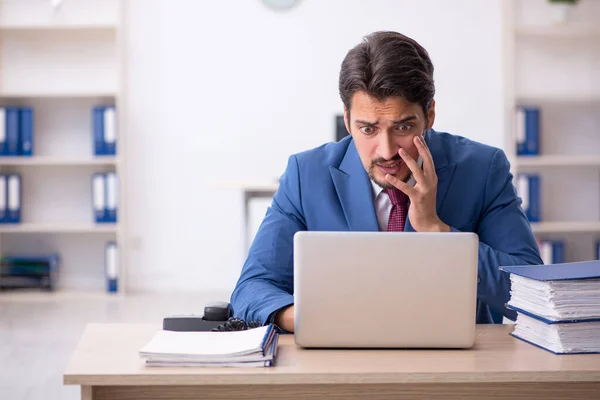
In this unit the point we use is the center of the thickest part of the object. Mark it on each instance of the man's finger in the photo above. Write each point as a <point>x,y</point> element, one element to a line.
<point>402,186</point>
<point>428,165</point>
<point>412,165</point>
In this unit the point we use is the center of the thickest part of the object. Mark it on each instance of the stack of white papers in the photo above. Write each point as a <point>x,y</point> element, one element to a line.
<point>556,300</point>
<point>559,337</point>
<point>558,306</point>
<point>255,347</point>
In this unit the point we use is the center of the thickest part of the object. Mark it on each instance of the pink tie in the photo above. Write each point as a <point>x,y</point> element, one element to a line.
<point>399,210</point>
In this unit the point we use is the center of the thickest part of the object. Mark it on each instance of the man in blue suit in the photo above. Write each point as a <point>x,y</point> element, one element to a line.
<point>394,172</point>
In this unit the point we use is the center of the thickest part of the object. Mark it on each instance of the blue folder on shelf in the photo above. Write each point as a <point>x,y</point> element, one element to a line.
<point>104,126</point>
<point>528,131</point>
<point>25,131</point>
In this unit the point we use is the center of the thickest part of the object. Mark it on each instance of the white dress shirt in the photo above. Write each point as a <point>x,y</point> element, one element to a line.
<point>383,206</point>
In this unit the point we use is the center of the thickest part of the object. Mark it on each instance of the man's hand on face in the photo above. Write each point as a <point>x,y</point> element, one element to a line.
<point>421,213</point>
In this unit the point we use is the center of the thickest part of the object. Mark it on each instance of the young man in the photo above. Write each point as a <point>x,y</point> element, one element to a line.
<point>393,173</point>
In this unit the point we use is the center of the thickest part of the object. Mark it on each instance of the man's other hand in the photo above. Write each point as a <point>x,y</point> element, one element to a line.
<point>285,318</point>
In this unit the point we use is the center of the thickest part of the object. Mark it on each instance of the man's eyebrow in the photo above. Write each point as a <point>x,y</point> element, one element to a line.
<point>396,122</point>
<point>406,119</point>
<point>360,121</point>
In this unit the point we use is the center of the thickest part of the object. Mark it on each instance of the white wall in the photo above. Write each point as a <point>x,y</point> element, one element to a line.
<point>226,90</point>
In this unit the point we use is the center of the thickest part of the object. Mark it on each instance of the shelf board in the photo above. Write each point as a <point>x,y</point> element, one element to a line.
<point>30,227</point>
<point>28,27</point>
<point>565,226</point>
<point>61,95</point>
<point>559,31</point>
<point>57,161</point>
<point>558,161</point>
<point>556,99</point>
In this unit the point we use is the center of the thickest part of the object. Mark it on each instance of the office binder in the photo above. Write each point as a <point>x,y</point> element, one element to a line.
<point>14,199</point>
<point>557,305</point>
<point>99,197</point>
<point>9,131</point>
<point>111,264</point>
<point>557,272</point>
<point>3,199</point>
<point>110,131</point>
<point>528,131</point>
<point>104,126</point>
<point>572,337</point>
<point>552,251</point>
<point>3,129</point>
<point>547,292</point>
<point>98,130</point>
<point>25,131</point>
<point>112,196</point>
<point>528,188</point>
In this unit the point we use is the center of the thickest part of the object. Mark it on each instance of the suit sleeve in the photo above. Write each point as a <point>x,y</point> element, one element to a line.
<point>266,282</point>
<point>505,236</point>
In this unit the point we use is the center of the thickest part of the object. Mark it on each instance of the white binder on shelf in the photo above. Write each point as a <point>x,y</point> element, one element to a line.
<point>2,130</point>
<point>528,189</point>
<point>112,196</point>
<point>99,197</point>
<point>552,251</point>
<point>110,130</point>
<point>3,199</point>
<point>112,267</point>
<point>14,198</point>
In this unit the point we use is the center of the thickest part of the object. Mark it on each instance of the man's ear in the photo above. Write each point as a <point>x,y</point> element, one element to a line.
<point>347,120</point>
<point>431,115</point>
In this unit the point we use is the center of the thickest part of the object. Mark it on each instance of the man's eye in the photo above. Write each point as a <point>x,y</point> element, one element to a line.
<point>367,130</point>
<point>404,128</point>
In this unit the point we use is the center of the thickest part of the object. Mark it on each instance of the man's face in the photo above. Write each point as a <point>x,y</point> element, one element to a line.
<point>381,128</point>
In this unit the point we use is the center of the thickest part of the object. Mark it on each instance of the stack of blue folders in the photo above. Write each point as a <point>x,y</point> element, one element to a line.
<point>255,347</point>
<point>558,305</point>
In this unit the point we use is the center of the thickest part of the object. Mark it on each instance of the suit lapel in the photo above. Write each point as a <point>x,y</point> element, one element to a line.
<point>354,191</point>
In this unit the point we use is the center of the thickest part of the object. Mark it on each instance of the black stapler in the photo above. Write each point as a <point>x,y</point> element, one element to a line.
<point>215,314</point>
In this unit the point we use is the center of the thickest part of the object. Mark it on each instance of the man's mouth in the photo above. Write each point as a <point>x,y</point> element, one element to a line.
<point>390,168</point>
<point>390,165</point>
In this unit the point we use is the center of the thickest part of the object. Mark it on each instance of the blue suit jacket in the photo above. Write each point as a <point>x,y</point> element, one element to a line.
<point>327,188</point>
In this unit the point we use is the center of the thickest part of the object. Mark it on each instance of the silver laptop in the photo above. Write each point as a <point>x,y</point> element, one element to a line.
<point>385,289</point>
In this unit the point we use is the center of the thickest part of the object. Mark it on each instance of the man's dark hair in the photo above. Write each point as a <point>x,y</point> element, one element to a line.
<point>387,64</point>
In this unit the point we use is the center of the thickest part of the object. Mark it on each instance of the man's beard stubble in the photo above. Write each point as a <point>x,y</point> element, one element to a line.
<point>385,184</point>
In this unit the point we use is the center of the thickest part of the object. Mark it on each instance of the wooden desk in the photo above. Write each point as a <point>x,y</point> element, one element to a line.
<point>107,366</point>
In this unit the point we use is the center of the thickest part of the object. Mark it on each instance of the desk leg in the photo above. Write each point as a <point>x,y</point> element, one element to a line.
<point>86,393</point>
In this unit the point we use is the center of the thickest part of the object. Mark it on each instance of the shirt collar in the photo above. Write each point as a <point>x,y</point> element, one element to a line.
<point>376,189</point>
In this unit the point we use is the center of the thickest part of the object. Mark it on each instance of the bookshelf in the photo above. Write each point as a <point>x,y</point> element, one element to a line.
<point>62,61</point>
<point>553,67</point>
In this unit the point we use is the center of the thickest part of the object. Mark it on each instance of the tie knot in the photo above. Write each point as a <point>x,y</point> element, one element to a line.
<point>397,197</point>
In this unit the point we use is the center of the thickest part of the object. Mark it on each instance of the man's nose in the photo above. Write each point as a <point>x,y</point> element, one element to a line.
<point>386,148</point>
